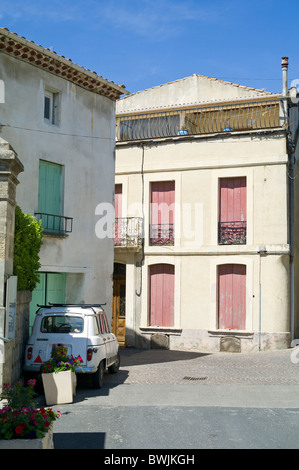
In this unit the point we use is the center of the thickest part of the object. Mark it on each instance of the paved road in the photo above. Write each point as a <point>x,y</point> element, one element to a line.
<point>186,400</point>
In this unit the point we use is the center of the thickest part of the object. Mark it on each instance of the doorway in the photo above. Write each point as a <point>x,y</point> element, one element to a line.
<point>118,325</point>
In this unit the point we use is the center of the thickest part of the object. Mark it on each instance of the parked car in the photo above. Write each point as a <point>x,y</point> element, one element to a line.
<point>83,330</point>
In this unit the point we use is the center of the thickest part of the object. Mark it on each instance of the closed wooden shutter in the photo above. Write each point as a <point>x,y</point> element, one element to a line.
<point>232,210</point>
<point>232,296</point>
<point>162,212</point>
<point>162,295</point>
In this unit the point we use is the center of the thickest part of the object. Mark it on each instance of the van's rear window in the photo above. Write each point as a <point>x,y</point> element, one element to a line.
<point>62,324</point>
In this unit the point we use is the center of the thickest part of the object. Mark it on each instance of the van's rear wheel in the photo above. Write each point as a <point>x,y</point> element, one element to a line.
<point>98,376</point>
<point>115,367</point>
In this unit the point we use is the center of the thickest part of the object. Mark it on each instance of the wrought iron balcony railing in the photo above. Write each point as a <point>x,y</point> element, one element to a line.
<point>128,232</point>
<point>199,120</point>
<point>162,234</point>
<point>56,224</point>
<point>232,233</point>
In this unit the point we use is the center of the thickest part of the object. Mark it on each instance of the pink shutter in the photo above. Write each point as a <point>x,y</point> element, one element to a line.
<point>232,296</point>
<point>162,295</point>
<point>162,211</point>
<point>232,200</point>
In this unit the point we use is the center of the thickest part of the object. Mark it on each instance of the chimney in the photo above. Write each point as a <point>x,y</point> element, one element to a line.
<point>284,66</point>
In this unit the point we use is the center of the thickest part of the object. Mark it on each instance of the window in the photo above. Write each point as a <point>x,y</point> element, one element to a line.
<point>162,213</point>
<point>232,211</point>
<point>62,324</point>
<point>103,325</point>
<point>161,295</point>
<point>232,296</point>
<point>51,107</point>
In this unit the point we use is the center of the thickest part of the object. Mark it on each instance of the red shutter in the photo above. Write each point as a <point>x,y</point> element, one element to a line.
<point>232,199</point>
<point>162,212</point>
<point>232,296</point>
<point>232,211</point>
<point>162,295</point>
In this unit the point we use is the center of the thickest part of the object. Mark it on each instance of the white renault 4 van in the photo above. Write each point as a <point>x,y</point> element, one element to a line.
<point>83,330</point>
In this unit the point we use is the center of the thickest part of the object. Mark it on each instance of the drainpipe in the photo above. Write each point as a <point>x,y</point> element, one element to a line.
<point>292,143</point>
<point>291,148</point>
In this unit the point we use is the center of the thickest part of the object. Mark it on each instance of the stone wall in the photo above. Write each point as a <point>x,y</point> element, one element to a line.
<point>14,349</point>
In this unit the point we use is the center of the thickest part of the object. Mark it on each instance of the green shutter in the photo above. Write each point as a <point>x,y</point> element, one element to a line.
<point>56,288</point>
<point>49,198</point>
<point>51,289</point>
<point>38,298</point>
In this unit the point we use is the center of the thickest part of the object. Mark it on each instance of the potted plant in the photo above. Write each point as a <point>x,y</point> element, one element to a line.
<point>22,425</point>
<point>59,377</point>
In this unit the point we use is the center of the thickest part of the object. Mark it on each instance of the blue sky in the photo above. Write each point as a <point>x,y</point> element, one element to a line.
<point>145,43</point>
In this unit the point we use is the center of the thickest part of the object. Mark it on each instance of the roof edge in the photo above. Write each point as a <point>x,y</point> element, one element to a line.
<point>16,46</point>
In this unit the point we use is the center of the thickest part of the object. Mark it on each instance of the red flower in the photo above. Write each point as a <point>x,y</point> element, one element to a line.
<point>19,429</point>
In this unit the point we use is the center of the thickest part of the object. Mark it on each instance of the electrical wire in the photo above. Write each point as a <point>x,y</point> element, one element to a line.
<point>57,133</point>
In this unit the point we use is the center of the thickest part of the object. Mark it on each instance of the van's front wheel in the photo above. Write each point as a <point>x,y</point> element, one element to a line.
<point>98,376</point>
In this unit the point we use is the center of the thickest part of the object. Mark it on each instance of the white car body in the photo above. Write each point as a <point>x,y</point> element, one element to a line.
<point>83,330</point>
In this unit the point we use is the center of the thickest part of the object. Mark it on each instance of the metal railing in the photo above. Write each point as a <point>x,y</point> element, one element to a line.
<point>200,120</point>
<point>162,234</point>
<point>232,233</point>
<point>56,224</point>
<point>128,232</point>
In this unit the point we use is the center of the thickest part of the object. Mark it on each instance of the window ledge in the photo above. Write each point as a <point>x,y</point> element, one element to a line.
<point>228,332</point>
<point>160,329</point>
<point>55,234</point>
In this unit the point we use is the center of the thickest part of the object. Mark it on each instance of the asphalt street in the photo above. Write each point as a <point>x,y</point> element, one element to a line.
<point>179,400</point>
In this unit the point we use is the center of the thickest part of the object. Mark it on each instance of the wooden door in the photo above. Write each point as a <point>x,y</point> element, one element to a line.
<point>232,296</point>
<point>118,215</point>
<point>118,326</point>
<point>161,295</point>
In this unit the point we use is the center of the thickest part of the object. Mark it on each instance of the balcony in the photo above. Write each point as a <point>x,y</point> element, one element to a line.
<point>162,234</point>
<point>232,233</point>
<point>199,120</point>
<point>55,224</point>
<point>128,233</point>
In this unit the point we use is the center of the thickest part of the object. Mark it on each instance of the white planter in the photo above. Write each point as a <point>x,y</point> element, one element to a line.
<point>42,443</point>
<point>59,387</point>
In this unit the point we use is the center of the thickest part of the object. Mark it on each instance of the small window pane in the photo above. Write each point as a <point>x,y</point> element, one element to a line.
<point>47,107</point>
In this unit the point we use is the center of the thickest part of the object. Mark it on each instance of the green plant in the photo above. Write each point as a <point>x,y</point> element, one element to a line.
<point>19,419</point>
<point>27,244</point>
<point>60,362</point>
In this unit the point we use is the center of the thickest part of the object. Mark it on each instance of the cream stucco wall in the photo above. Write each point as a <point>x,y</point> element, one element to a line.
<point>83,142</point>
<point>196,165</point>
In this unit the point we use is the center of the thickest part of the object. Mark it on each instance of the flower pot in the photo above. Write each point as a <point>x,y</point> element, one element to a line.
<point>41,443</point>
<point>59,387</point>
